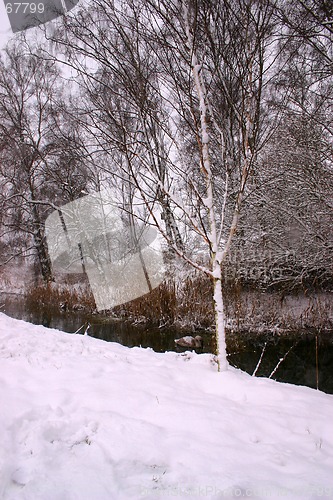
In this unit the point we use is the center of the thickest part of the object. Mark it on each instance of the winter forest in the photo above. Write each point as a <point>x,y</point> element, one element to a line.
<point>211,121</point>
<point>166,187</point>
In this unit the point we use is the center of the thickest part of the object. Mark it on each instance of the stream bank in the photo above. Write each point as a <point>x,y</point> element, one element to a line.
<point>306,354</point>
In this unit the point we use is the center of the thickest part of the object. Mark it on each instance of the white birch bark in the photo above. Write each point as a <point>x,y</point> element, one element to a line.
<point>214,243</point>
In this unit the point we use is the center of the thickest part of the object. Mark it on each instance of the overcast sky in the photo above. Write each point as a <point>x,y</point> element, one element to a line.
<point>5,31</point>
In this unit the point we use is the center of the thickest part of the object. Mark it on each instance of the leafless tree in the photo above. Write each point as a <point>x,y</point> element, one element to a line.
<point>38,164</point>
<point>178,97</point>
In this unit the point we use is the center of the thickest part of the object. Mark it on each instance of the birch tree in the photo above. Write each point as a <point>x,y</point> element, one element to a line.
<point>223,102</point>
<point>185,85</point>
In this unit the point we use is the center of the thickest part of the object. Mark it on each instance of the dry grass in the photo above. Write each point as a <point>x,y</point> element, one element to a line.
<point>157,308</point>
<point>188,304</point>
<point>61,297</point>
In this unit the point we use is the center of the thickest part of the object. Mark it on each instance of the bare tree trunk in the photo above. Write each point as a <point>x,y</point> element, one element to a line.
<point>220,347</point>
<point>214,237</point>
<point>171,226</point>
<point>41,247</point>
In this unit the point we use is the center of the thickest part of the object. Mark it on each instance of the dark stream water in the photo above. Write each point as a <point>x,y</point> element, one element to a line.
<point>308,357</point>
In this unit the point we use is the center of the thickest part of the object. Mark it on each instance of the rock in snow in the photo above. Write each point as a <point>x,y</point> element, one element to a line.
<point>189,341</point>
<point>81,418</point>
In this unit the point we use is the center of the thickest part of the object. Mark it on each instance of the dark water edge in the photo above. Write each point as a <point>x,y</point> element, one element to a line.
<point>304,352</point>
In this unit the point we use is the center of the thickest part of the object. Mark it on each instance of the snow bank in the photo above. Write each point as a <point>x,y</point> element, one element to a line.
<point>81,418</point>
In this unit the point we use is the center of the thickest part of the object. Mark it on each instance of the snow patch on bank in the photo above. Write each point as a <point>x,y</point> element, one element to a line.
<point>81,418</point>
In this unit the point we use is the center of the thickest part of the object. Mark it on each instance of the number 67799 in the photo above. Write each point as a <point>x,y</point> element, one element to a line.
<point>24,8</point>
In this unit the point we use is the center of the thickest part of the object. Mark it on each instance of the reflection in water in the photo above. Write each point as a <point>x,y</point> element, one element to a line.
<point>299,366</point>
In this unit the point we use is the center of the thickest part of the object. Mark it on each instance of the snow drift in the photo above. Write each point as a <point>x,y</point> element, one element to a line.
<point>81,418</point>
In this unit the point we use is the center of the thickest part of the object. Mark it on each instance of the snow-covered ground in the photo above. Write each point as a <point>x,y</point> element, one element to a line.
<point>84,419</point>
